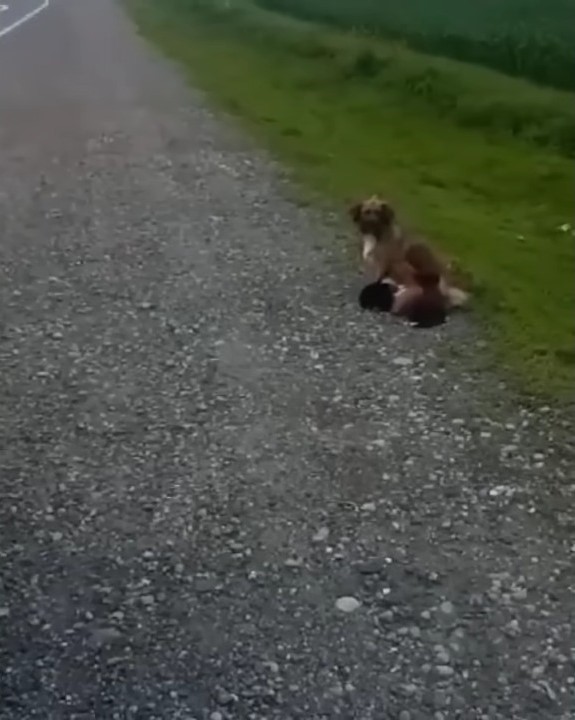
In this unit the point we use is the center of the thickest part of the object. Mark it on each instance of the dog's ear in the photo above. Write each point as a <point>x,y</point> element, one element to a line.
<point>387,213</point>
<point>355,211</point>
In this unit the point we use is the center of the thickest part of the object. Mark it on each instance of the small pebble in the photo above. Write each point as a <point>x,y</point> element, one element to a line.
<point>347,604</point>
<point>104,636</point>
<point>321,535</point>
<point>293,562</point>
<point>402,361</point>
<point>368,507</point>
<point>440,699</point>
<point>447,607</point>
<point>223,697</point>
<point>443,657</point>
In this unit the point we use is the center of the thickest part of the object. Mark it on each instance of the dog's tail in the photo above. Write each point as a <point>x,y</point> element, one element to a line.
<point>456,297</point>
<point>451,286</point>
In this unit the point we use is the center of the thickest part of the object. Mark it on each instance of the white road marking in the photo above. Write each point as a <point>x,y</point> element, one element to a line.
<point>23,19</point>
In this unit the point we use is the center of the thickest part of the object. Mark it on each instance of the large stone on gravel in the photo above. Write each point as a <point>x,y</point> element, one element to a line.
<point>347,604</point>
<point>103,637</point>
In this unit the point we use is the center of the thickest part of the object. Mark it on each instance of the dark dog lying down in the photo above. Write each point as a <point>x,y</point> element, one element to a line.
<point>423,305</point>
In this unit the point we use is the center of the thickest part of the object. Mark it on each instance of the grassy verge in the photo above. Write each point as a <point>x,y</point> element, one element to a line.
<point>348,116</point>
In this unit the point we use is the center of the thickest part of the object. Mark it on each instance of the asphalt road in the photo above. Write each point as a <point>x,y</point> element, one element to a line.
<point>225,493</point>
<point>14,13</point>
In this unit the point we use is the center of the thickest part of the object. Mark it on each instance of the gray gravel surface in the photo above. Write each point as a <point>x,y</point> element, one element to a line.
<point>225,493</point>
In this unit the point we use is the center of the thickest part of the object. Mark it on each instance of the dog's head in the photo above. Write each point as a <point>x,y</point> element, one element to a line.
<point>373,216</point>
<point>377,296</point>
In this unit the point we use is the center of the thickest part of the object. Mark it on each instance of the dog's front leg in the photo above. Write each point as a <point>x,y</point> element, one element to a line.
<point>370,260</point>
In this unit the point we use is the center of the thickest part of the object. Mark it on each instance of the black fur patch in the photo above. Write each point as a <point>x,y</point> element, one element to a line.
<point>377,296</point>
<point>425,317</point>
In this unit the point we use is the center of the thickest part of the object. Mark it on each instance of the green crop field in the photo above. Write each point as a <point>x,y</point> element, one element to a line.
<point>529,38</point>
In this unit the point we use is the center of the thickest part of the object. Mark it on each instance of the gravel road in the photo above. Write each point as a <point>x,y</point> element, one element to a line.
<point>225,493</point>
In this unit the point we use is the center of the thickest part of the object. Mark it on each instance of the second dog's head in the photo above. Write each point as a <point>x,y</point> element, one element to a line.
<point>373,216</point>
<point>377,296</point>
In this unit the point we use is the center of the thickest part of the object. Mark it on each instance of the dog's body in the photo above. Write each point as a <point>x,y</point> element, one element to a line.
<point>420,305</point>
<point>424,306</point>
<point>389,253</point>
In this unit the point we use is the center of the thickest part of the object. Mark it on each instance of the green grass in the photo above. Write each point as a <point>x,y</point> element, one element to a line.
<point>350,124</point>
<point>528,38</point>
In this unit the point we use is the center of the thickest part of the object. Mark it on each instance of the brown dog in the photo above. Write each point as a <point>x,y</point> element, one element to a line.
<point>387,252</point>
